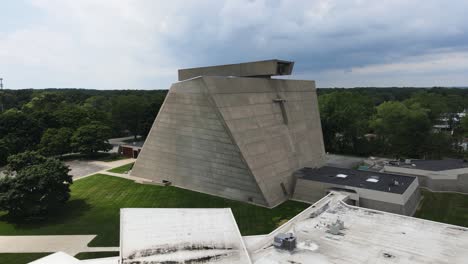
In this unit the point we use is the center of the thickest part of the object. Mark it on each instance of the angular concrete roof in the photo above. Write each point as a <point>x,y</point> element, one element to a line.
<point>265,68</point>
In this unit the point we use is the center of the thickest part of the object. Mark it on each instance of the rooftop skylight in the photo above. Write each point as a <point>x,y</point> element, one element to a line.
<point>373,179</point>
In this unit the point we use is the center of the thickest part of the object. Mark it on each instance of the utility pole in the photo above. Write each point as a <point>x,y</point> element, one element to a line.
<point>1,95</point>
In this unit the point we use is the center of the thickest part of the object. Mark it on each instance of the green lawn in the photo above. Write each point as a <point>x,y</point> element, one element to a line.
<point>96,200</point>
<point>93,255</point>
<point>7,258</point>
<point>451,208</point>
<point>122,169</point>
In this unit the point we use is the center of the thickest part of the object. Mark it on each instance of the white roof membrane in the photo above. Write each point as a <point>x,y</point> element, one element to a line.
<point>180,236</point>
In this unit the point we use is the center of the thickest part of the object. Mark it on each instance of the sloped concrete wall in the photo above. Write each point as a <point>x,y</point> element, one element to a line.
<point>190,147</point>
<point>272,147</point>
<point>226,136</point>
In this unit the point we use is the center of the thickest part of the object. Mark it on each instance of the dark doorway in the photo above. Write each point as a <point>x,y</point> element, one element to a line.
<point>135,154</point>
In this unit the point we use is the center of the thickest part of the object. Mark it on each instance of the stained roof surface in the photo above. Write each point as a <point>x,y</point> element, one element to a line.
<point>368,236</point>
<point>384,182</point>
<point>180,236</point>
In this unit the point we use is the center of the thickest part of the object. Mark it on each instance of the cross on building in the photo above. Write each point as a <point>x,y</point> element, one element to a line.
<point>281,102</point>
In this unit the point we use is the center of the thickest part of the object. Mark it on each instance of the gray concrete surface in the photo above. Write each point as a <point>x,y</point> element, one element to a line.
<point>70,244</point>
<point>82,168</point>
<point>265,68</point>
<point>239,138</point>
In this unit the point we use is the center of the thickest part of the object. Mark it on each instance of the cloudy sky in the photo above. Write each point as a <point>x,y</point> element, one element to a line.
<point>140,44</point>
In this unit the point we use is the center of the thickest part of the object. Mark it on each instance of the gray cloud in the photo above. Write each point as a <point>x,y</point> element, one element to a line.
<point>139,44</point>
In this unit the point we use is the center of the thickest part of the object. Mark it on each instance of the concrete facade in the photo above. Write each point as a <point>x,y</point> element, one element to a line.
<point>236,137</point>
<point>264,69</point>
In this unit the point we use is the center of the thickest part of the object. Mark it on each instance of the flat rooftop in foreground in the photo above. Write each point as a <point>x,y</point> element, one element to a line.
<point>180,236</point>
<point>357,178</point>
<point>368,236</point>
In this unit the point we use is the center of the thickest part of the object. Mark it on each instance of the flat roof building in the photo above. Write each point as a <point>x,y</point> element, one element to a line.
<point>437,175</point>
<point>383,191</point>
<point>363,236</point>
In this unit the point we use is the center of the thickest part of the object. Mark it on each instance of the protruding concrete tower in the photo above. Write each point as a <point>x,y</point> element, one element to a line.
<point>234,132</point>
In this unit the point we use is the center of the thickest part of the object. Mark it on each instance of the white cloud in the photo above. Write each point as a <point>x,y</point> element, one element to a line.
<point>135,44</point>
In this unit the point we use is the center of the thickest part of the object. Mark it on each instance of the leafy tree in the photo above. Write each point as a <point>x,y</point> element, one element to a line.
<point>345,117</point>
<point>22,160</point>
<point>35,185</point>
<point>437,146</point>
<point>56,141</point>
<point>404,130</point>
<point>71,116</point>
<point>435,103</point>
<point>4,151</point>
<point>127,113</point>
<point>18,132</point>
<point>89,139</point>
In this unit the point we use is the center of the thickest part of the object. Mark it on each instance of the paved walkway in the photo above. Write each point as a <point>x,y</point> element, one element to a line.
<point>102,167</point>
<point>71,244</point>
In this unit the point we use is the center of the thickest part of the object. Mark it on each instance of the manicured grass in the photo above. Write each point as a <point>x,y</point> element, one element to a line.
<point>20,258</point>
<point>93,255</point>
<point>450,208</point>
<point>122,169</point>
<point>96,200</point>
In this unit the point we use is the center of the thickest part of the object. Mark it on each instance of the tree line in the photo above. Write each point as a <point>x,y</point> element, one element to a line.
<point>60,121</point>
<point>397,122</point>
<point>394,122</point>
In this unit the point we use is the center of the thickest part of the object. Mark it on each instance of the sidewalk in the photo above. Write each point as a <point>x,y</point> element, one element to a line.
<point>70,244</point>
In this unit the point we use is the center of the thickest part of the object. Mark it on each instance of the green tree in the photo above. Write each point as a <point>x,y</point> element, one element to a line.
<point>71,116</point>
<point>56,141</point>
<point>89,139</point>
<point>34,185</point>
<point>345,119</point>
<point>403,130</point>
<point>18,132</point>
<point>437,146</point>
<point>128,112</point>
<point>22,160</point>
<point>436,104</point>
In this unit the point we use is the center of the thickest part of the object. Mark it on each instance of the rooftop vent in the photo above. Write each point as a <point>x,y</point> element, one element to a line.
<point>335,228</point>
<point>373,179</point>
<point>341,175</point>
<point>286,241</point>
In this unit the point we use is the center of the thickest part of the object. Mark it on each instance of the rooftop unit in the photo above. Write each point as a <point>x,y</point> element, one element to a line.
<point>286,241</point>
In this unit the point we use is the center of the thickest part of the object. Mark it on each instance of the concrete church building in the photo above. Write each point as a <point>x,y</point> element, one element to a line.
<point>235,132</point>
